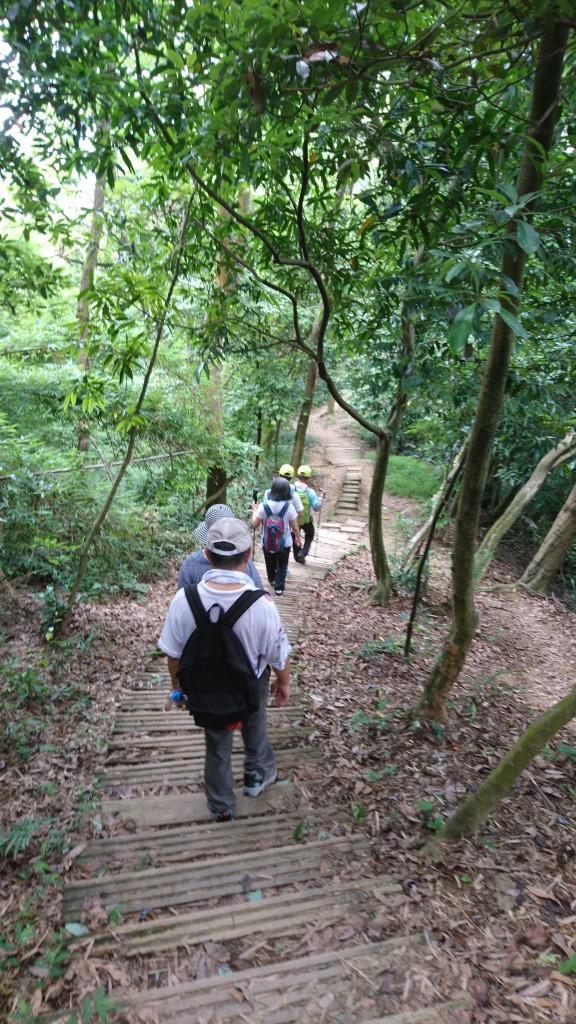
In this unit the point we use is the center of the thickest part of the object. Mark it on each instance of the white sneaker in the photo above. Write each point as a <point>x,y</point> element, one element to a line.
<point>255,782</point>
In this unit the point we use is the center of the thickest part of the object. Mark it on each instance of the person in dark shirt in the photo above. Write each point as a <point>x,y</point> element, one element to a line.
<point>196,565</point>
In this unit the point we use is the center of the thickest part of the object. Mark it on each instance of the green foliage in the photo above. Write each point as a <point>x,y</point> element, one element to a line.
<point>377,776</point>
<point>393,210</point>
<point>31,697</point>
<point>301,830</point>
<point>568,966</point>
<point>434,821</point>
<point>373,650</point>
<point>378,719</point>
<point>25,275</point>
<point>412,478</point>
<point>94,1008</point>
<point>21,837</point>
<point>566,751</point>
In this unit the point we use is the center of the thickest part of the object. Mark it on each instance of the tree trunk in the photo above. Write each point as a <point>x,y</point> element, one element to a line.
<point>539,574</point>
<point>267,439</point>
<point>302,426</point>
<point>82,307</point>
<point>216,476</point>
<point>216,483</point>
<point>504,502</point>
<point>464,617</point>
<point>563,451</point>
<point>258,435</point>
<point>275,444</point>
<point>480,804</point>
<point>383,589</point>
<point>216,480</point>
<point>134,430</point>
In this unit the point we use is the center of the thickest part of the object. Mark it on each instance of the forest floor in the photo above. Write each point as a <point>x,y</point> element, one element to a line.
<point>499,911</point>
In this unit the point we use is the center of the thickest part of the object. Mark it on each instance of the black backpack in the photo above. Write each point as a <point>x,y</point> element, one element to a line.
<point>214,672</point>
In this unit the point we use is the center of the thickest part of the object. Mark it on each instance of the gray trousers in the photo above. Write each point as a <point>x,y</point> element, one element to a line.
<point>258,754</point>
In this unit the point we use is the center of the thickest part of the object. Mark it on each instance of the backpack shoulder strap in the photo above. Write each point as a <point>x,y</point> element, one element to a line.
<point>267,508</point>
<point>284,509</point>
<point>196,607</point>
<point>241,605</point>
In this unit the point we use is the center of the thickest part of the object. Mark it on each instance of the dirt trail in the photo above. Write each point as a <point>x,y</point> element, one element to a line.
<point>531,640</point>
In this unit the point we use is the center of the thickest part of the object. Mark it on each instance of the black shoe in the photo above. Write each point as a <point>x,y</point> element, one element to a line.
<point>223,816</point>
<point>278,592</point>
<point>254,782</point>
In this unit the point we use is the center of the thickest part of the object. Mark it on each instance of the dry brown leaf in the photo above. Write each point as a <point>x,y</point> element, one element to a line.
<point>535,936</point>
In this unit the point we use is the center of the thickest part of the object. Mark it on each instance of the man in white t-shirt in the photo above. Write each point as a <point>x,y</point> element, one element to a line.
<point>228,548</point>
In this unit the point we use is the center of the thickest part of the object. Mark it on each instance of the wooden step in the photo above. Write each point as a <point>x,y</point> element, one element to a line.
<point>330,986</point>
<point>152,811</point>
<point>197,842</point>
<point>173,746</point>
<point>190,771</point>
<point>288,914</point>
<point>145,892</point>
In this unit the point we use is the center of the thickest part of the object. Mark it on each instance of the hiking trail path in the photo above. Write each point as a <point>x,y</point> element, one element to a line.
<point>171,897</point>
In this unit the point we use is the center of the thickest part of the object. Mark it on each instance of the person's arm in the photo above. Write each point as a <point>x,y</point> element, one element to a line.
<point>296,530</point>
<point>173,664</point>
<point>280,687</point>
<point>316,499</point>
<point>257,519</point>
<point>254,574</point>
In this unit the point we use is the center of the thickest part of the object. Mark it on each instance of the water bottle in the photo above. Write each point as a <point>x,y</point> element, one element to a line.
<point>175,699</point>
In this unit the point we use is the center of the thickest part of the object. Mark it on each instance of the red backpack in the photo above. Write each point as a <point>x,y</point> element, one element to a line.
<point>273,538</point>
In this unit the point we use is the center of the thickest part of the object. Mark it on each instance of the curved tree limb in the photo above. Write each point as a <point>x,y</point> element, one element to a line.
<point>563,451</point>
<point>134,430</point>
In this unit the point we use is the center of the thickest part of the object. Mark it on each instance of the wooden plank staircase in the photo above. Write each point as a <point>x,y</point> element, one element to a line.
<point>210,923</point>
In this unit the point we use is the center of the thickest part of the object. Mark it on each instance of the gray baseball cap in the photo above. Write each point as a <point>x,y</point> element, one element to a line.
<point>228,537</point>
<point>214,513</point>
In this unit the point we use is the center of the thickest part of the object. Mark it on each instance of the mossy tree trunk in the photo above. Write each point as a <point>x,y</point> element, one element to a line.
<point>564,450</point>
<point>297,457</point>
<point>539,575</point>
<point>82,307</point>
<point>480,804</point>
<point>539,138</point>
<point>383,588</point>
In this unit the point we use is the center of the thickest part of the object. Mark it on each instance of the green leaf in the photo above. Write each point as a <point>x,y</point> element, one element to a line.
<point>460,328</point>
<point>566,750</point>
<point>175,59</point>
<point>527,237</point>
<point>76,929</point>
<point>455,271</point>
<point>568,966</point>
<point>514,324</point>
<point>102,1004</point>
<point>302,829</point>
